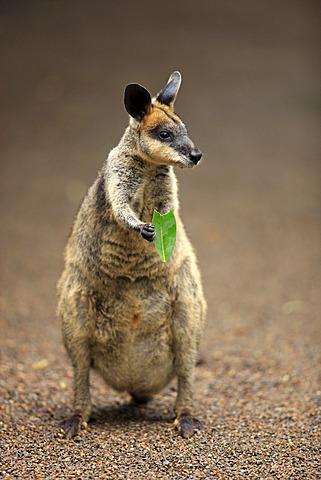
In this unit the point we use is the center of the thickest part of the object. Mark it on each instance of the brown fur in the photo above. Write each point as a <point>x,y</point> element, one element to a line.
<point>125,313</point>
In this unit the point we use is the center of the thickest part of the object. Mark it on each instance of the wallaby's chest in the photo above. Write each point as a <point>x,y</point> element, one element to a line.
<point>143,201</point>
<point>148,196</point>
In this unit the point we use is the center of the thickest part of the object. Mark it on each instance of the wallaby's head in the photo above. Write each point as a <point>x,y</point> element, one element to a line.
<point>162,136</point>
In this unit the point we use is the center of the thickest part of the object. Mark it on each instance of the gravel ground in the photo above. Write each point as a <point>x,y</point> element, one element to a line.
<point>250,99</point>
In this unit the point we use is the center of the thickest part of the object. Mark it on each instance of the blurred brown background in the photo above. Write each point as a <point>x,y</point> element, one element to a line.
<point>250,98</point>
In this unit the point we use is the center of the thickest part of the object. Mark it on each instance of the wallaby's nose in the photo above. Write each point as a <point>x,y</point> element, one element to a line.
<point>195,155</point>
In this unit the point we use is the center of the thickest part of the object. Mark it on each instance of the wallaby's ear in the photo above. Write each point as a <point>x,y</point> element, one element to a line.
<point>167,95</point>
<point>137,101</point>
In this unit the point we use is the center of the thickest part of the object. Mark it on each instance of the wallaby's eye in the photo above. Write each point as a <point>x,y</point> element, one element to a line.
<point>164,135</point>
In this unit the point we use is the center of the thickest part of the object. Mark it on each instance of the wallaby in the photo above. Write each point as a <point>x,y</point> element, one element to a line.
<point>134,319</point>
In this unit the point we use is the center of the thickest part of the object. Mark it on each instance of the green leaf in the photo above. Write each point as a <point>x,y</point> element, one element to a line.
<point>165,226</point>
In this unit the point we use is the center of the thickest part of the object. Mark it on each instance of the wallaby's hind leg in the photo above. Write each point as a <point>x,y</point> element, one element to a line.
<point>189,311</point>
<point>185,421</point>
<point>82,403</point>
<point>74,314</point>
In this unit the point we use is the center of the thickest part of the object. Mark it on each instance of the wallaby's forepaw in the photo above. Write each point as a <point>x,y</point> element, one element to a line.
<point>186,425</point>
<point>148,232</point>
<point>71,425</point>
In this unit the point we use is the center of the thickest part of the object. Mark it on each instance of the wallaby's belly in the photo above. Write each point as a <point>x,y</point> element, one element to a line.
<point>132,345</point>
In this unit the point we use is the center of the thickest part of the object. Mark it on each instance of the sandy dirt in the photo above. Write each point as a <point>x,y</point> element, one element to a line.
<point>250,97</point>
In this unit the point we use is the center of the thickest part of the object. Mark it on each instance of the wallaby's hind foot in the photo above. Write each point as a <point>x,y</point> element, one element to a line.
<point>186,424</point>
<point>72,425</point>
